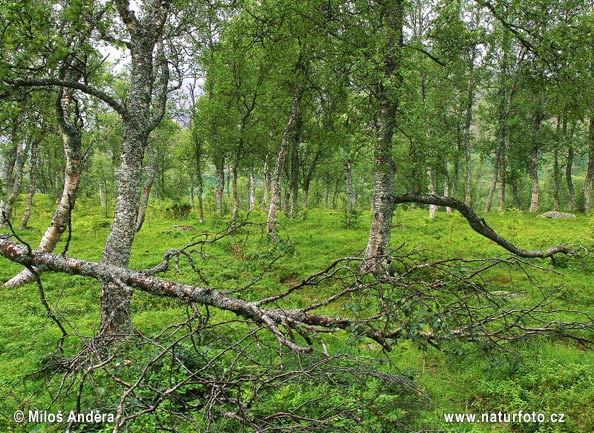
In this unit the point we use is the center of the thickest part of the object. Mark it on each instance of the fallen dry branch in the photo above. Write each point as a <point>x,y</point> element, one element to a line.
<point>479,224</point>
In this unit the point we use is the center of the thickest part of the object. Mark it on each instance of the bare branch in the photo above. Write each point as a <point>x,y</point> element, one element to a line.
<point>479,225</point>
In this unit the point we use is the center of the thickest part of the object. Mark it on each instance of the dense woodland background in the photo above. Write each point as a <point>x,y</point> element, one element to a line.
<point>494,102</point>
<point>264,140</point>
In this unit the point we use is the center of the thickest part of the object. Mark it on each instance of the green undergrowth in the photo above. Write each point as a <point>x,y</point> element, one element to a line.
<point>541,375</point>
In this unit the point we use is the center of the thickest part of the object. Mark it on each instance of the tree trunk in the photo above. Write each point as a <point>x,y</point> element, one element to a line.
<point>489,202</point>
<point>513,182</point>
<point>199,182</point>
<point>275,194</point>
<point>446,188</point>
<point>466,134</point>
<point>21,157</point>
<point>234,175</point>
<point>31,191</point>
<point>102,197</point>
<point>7,170</point>
<point>556,176</point>
<point>267,186</point>
<point>71,137</point>
<point>251,190</point>
<point>348,179</point>
<point>534,179</point>
<point>294,175</point>
<point>151,171</point>
<point>568,172</point>
<point>502,181</point>
<point>219,182</point>
<point>378,243</point>
<point>590,171</point>
<point>534,157</point>
<point>432,190</point>
<point>145,106</point>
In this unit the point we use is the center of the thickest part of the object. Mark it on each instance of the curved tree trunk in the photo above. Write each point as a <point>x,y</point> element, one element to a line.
<point>70,131</point>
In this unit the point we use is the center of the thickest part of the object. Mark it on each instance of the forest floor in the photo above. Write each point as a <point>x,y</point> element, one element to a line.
<point>544,376</point>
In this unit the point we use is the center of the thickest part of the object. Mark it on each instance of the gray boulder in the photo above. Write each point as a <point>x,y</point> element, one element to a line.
<point>555,214</point>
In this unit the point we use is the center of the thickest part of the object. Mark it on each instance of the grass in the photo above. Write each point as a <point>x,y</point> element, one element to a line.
<point>541,375</point>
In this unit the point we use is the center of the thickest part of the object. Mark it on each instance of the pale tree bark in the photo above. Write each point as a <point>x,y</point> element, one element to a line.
<point>382,210</point>
<point>9,159</point>
<point>151,172</point>
<point>534,178</point>
<point>556,169</point>
<point>294,172</point>
<point>31,189</point>
<point>219,182</point>
<point>348,179</point>
<point>432,190</point>
<point>502,179</point>
<point>267,186</point>
<point>199,184</point>
<point>275,182</point>
<point>556,176</point>
<point>446,186</point>
<point>7,206</point>
<point>21,157</point>
<point>534,159</point>
<point>568,171</point>
<point>491,193</point>
<point>470,89</point>
<point>234,177</point>
<point>251,189</point>
<point>590,171</point>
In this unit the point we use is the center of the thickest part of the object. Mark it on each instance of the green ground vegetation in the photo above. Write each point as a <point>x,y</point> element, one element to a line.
<point>542,375</point>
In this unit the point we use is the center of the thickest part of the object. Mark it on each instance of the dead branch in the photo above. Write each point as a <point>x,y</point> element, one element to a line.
<point>479,225</point>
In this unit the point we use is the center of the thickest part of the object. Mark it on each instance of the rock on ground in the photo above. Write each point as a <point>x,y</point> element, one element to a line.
<point>555,214</point>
